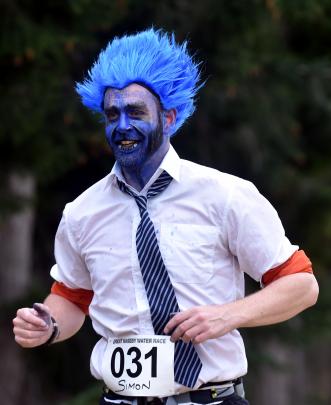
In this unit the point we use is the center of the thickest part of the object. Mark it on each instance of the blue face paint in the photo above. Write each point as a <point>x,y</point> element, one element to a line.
<point>134,131</point>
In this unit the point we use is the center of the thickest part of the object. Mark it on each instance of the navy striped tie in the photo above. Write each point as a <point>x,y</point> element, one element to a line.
<point>160,292</point>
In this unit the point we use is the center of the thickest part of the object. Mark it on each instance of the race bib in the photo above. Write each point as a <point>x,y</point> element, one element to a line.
<point>139,365</point>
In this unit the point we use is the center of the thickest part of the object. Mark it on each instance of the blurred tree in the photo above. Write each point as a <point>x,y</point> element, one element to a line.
<point>44,48</point>
<point>264,115</point>
<point>266,104</point>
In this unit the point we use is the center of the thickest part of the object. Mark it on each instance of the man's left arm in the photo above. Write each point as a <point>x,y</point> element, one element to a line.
<point>256,237</point>
<point>279,301</point>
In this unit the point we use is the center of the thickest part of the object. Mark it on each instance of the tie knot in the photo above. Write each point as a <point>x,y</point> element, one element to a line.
<point>161,183</point>
<point>156,188</point>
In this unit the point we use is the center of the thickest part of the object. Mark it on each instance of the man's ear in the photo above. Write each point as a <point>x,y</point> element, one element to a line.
<point>169,120</point>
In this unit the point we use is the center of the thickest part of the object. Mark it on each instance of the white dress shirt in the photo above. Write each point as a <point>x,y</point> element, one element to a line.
<point>211,227</point>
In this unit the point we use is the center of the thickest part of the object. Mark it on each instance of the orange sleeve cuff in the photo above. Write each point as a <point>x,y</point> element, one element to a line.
<point>78,296</point>
<point>297,263</point>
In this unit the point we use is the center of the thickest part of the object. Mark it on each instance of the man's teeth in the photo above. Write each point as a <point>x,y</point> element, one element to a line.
<point>128,144</point>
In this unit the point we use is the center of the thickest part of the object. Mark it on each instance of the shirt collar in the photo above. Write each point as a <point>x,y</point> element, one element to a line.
<point>170,163</point>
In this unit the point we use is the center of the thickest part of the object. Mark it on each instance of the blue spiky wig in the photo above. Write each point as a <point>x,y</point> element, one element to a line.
<point>152,58</point>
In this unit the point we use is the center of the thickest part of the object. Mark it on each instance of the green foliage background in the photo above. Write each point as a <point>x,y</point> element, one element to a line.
<point>264,114</point>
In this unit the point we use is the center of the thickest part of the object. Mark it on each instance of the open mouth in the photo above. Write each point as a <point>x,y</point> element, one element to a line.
<point>127,145</point>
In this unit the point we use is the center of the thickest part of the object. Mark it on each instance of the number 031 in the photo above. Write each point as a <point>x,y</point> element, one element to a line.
<point>117,362</point>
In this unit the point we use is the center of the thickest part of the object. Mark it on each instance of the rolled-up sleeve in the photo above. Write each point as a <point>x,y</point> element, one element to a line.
<point>255,233</point>
<point>70,268</point>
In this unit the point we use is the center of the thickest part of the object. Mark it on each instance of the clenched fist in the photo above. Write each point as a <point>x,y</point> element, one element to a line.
<point>32,326</point>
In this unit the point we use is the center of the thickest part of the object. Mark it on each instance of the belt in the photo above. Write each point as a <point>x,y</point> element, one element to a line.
<point>205,394</point>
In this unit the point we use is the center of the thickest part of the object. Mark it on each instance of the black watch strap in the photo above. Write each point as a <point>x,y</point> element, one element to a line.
<point>55,334</point>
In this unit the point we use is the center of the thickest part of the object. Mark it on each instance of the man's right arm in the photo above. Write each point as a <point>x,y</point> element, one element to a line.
<point>31,330</point>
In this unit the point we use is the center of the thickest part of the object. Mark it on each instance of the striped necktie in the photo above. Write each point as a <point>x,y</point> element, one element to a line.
<point>160,292</point>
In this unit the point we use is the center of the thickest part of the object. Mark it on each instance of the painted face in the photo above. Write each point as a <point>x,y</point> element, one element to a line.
<point>134,127</point>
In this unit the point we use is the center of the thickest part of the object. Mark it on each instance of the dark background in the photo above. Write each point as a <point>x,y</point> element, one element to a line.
<point>264,115</point>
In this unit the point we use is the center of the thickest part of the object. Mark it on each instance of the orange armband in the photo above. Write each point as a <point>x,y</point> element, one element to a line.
<point>78,296</point>
<point>297,263</point>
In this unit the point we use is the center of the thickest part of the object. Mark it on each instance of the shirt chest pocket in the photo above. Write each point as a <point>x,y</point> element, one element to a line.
<point>188,251</point>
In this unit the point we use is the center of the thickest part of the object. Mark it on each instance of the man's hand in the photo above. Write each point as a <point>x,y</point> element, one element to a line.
<point>32,326</point>
<point>277,302</point>
<point>199,324</point>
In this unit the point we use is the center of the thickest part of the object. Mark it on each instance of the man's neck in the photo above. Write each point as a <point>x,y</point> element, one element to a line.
<point>138,177</point>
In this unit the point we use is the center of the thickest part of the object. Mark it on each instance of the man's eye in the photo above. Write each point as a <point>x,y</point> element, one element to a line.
<point>112,116</point>
<point>135,113</point>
